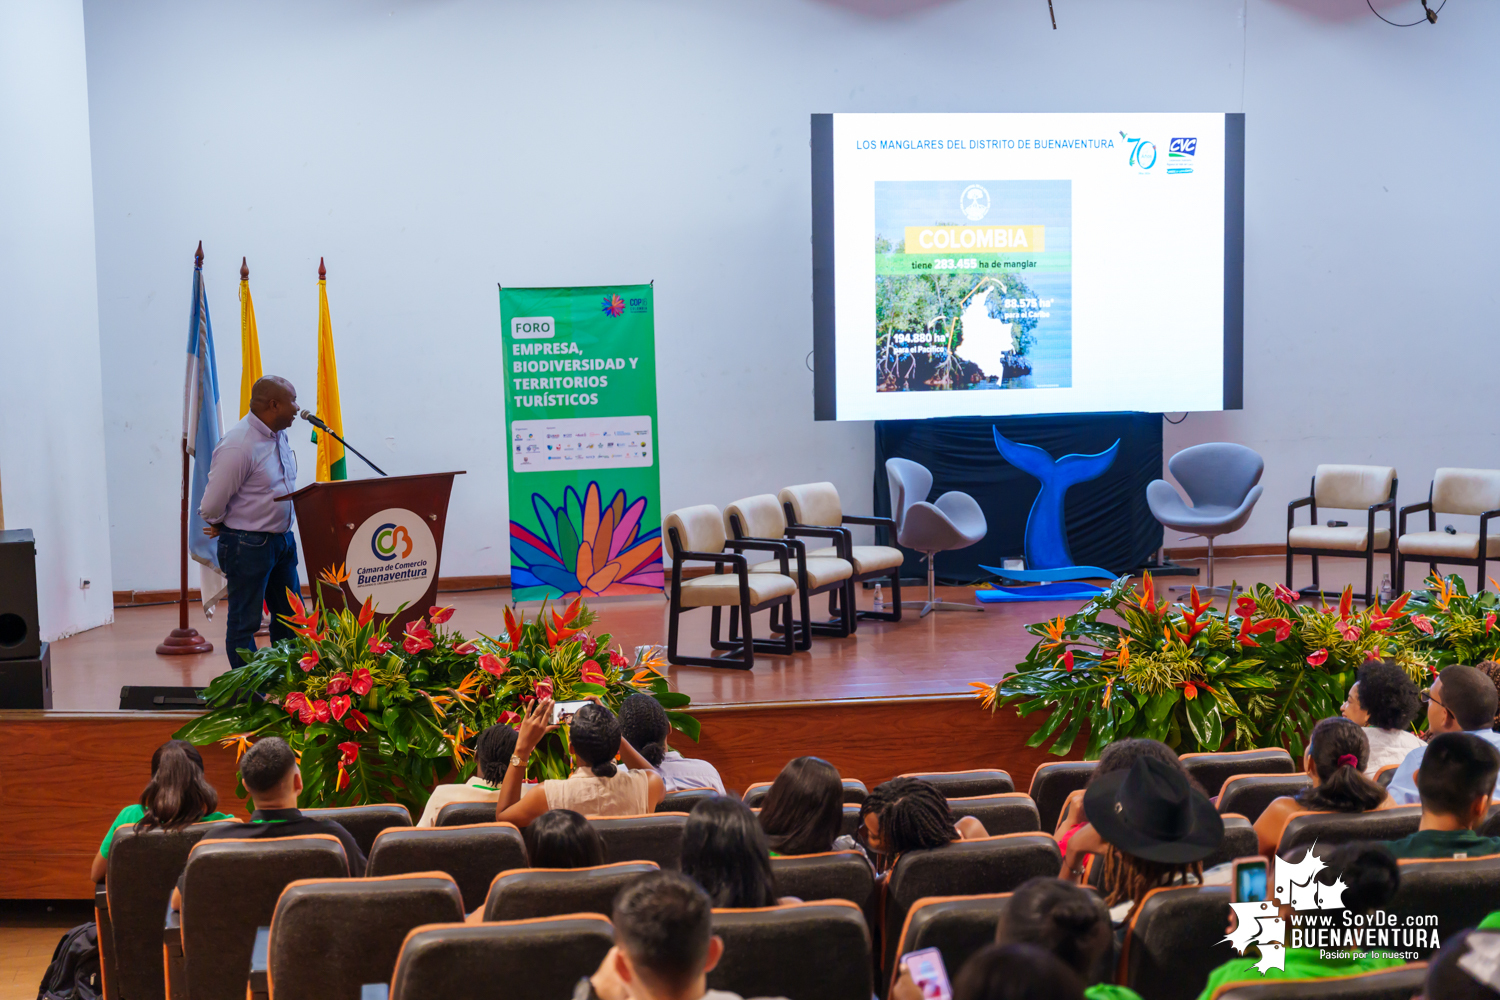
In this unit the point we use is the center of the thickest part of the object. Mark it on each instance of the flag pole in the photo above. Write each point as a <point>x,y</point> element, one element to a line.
<point>183,639</point>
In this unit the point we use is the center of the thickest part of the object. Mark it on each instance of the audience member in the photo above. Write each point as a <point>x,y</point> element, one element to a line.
<point>1456,781</point>
<point>1491,669</point>
<point>492,752</point>
<point>1384,701</point>
<point>1468,967</point>
<point>1075,838</point>
<point>1335,761</point>
<point>804,810</point>
<point>724,851</point>
<point>645,726</point>
<point>909,814</point>
<point>1005,972</point>
<point>1072,923</point>
<point>1371,877</point>
<point>1462,699</point>
<point>563,838</point>
<point>664,945</point>
<point>176,795</point>
<point>1155,827</point>
<point>597,787</point>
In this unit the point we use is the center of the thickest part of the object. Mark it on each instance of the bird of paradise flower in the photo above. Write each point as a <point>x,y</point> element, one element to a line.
<point>586,547</point>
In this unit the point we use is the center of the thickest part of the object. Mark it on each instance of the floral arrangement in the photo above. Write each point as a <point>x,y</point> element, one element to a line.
<point>374,720</point>
<point>1259,674</point>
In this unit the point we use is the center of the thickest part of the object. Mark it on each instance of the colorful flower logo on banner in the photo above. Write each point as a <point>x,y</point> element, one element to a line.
<point>586,547</point>
<point>613,305</point>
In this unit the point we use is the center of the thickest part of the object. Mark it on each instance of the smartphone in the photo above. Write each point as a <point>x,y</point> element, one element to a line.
<point>563,711</point>
<point>927,971</point>
<point>1248,884</point>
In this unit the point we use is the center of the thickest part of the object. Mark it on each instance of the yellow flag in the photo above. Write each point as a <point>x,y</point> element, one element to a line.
<point>330,452</point>
<point>249,341</point>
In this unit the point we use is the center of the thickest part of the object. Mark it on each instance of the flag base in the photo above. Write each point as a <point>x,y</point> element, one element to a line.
<point>184,641</point>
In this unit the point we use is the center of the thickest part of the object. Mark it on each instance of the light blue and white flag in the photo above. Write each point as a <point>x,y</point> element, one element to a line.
<point>201,429</point>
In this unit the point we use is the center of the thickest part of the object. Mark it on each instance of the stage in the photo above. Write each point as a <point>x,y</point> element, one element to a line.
<point>893,698</point>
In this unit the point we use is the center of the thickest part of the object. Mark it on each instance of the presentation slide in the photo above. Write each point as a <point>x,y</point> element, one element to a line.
<point>1026,263</point>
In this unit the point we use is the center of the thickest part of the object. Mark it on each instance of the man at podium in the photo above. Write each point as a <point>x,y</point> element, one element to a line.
<point>257,551</point>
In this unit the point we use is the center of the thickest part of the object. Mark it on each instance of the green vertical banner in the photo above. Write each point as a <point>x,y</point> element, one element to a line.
<point>580,419</point>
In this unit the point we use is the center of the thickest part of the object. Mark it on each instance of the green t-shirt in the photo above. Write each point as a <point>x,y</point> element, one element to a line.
<point>1444,844</point>
<point>1490,923</point>
<point>1109,991</point>
<point>132,815</point>
<point>1301,963</point>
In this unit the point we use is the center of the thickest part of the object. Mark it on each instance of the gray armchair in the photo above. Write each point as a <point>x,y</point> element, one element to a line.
<point>1221,479</point>
<point>953,521</point>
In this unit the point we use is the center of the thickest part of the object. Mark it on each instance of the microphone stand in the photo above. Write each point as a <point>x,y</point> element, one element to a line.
<point>320,425</point>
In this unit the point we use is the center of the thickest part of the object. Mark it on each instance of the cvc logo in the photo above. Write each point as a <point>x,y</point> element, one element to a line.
<point>387,539</point>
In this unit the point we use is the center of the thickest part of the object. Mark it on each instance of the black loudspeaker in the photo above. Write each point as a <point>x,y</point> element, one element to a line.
<point>27,683</point>
<point>140,698</point>
<point>20,639</point>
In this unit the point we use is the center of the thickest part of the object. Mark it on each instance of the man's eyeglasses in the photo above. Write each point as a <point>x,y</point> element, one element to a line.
<point>1428,699</point>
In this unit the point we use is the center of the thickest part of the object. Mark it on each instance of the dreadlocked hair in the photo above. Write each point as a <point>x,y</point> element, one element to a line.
<point>915,817</point>
<point>1127,877</point>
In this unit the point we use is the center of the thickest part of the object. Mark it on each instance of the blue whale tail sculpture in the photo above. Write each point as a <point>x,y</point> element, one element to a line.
<point>1046,533</point>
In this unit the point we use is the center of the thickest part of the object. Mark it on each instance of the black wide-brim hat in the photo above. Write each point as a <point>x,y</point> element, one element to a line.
<point>1152,811</point>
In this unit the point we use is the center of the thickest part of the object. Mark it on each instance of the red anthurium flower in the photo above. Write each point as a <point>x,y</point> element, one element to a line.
<point>1189,691</point>
<point>1489,621</point>
<point>509,718</point>
<point>1349,630</point>
<point>294,702</point>
<point>1067,661</point>
<point>362,682</point>
<point>1285,593</point>
<point>341,780</point>
<point>440,615</point>
<point>513,627</point>
<point>309,661</point>
<point>357,721</point>
<point>348,754</point>
<point>308,712</point>
<point>338,705</point>
<point>591,673</point>
<point>338,683</point>
<point>543,688</point>
<point>1245,606</point>
<point>320,710</point>
<point>377,647</point>
<point>1423,623</point>
<point>465,648</point>
<point>1373,654</point>
<point>366,613</point>
<point>590,647</point>
<point>617,658</point>
<point>492,664</point>
<point>1318,659</point>
<point>1281,625</point>
<point>417,637</point>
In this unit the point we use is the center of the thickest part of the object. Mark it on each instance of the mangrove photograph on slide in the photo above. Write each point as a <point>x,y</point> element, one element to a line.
<point>973,285</point>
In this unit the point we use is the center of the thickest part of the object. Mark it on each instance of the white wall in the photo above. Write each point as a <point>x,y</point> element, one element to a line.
<point>51,410</point>
<point>431,149</point>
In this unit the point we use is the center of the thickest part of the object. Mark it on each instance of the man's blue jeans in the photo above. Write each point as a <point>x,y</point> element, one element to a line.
<point>260,566</point>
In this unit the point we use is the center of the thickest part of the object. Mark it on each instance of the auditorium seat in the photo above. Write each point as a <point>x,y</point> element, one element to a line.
<point>1460,892</point>
<point>854,791</point>
<point>1490,827</point>
<point>527,893</point>
<point>230,888</point>
<point>818,505</point>
<point>1211,770</point>
<point>814,950</point>
<point>466,813</point>
<point>832,875</point>
<point>1052,783</point>
<point>1249,794</point>
<point>534,959</point>
<point>847,828</point>
<point>1401,983</point>
<point>1005,812</point>
<point>143,870</point>
<point>1385,774</point>
<point>1175,938</point>
<point>684,799</point>
<point>1329,828</point>
<point>364,823</point>
<point>1239,841</point>
<point>957,926</point>
<point>472,855</point>
<point>964,867</point>
<point>963,784</point>
<point>651,837</point>
<point>327,937</point>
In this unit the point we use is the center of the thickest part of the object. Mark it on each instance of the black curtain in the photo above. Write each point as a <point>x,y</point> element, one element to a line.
<point>1108,522</point>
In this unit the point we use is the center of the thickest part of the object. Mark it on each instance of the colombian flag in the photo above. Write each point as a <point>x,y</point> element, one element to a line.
<point>330,452</point>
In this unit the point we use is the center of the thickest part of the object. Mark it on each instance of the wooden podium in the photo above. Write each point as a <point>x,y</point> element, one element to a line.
<point>387,534</point>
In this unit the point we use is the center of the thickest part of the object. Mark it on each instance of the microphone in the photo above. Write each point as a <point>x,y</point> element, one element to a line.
<point>312,418</point>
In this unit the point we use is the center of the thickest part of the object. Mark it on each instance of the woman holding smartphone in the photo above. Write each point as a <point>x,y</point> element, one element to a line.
<point>597,787</point>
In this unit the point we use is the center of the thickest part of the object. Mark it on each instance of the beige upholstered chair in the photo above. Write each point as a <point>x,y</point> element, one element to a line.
<point>762,517</point>
<point>696,534</point>
<point>816,505</point>
<point>1453,491</point>
<point>1367,488</point>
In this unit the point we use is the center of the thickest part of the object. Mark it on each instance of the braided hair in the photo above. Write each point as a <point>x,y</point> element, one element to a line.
<point>914,816</point>
<point>595,739</point>
<point>645,725</point>
<point>1127,877</point>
